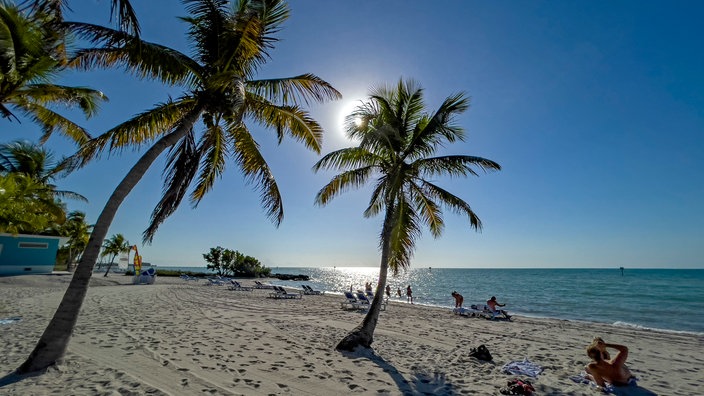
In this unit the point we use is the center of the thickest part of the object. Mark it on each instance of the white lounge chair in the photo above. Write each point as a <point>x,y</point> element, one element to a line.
<point>234,285</point>
<point>309,290</point>
<point>280,292</point>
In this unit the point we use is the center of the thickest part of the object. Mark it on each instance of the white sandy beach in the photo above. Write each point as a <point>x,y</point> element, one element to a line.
<point>183,338</point>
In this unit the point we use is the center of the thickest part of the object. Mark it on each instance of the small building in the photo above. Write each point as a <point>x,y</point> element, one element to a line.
<point>24,254</point>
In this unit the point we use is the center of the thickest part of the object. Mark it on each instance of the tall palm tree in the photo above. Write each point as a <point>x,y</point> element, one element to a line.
<point>397,140</point>
<point>78,231</point>
<point>230,44</point>
<point>30,48</point>
<point>36,162</point>
<point>113,246</point>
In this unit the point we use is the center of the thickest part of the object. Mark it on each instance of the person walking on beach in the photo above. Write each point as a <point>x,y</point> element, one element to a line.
<point>398,292</point>
<point>602,370</point>
<point>409,294</point>
<point>458,299</point>
<point>388,291</point>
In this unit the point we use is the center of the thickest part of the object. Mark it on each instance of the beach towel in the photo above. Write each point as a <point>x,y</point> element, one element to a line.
<point>582,378</point>
<point>523,367</point>
<point>11,320</point>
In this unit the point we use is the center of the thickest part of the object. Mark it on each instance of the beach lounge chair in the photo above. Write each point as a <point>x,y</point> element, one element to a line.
<point>351,302</point>
<point>188,277</point>
<point>280,292</point>
<point>234,285</point>
<point>366,301</point>
<point>309,290</point>
<point>214,282</point>
<point>473,311</point>
<point>259,285</point>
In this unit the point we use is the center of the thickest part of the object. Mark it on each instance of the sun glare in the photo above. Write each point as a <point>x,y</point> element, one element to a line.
<point>346,109</point>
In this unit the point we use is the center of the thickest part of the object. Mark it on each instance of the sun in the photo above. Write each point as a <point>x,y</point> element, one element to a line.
<point>346,109</point>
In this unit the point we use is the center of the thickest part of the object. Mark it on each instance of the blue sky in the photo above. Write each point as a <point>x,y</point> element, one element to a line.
<point>594,109</point>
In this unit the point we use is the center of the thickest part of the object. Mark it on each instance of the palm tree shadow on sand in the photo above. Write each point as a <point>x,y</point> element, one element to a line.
<point>422,382</point>
<point>13,377</point>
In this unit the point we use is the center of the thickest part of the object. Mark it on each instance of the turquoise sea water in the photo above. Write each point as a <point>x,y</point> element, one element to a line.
<point>663,299</point>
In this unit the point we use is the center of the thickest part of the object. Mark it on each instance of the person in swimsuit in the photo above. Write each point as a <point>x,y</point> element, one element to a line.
<point>492,304</point>
<point>409,294</point>
<point>603,370</point>
<point>458,299</point>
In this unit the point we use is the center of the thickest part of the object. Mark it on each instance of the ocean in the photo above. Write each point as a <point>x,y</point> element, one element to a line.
<point>663,299</point>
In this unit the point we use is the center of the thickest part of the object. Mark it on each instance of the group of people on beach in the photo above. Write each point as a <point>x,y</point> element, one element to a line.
<point>409,292</point>
<point>491,304</point>
<point>602,370</point>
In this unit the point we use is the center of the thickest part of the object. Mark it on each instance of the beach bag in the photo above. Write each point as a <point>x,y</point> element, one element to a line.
<point>481,353</point>
<point>518,387</point>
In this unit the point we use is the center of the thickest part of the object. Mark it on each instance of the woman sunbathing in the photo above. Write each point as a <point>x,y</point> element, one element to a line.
<point>603,370</point>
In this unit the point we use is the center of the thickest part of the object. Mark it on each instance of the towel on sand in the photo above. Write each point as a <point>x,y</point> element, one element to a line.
<point>523,367</point>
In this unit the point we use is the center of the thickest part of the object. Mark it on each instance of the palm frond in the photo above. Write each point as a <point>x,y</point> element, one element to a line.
<point>181,168</point>
<point>145,59</point>
<point>85,98</point>
<point>454,165</point>
<point>256,170</point>
<point>377,202</point>
<point>456,204</point>
<point>428,211</point>
<point>213,151</point>
<point>433,131</point>
<point>125,16</point>
<point>286,119</point>
<point>51,122</point>
<point>343,182</point>
<point>404,233</point>
<point>350,157</point>
<point>305,88</point>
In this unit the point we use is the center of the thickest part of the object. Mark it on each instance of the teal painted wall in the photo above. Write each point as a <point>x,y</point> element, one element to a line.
<point>28,254</point>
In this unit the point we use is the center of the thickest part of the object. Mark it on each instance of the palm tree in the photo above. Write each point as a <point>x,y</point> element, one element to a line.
<point>122,10</point>
<point>78,231</point>
<point>27,206</point>
<point>397,141</point>
<point>230,44</point>
<point>30,55</point>
<point>36,162</point>
<point>113,246</point>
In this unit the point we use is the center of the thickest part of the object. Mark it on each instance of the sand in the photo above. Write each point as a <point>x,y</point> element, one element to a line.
<point>184,338</point>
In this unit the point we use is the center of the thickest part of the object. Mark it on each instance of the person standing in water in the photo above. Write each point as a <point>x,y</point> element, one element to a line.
<point>409,294</point>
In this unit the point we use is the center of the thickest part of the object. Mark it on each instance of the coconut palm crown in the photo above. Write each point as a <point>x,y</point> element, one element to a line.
<point>31,44</point>
<point>397,141</point>
<point>230,44</point>
<point>202,128</point>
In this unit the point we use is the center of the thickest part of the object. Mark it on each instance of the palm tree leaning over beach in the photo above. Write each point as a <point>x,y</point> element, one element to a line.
<point>230,45</point>
<point>113,246</point>
<point>397,138</point>
<point>31,51</point>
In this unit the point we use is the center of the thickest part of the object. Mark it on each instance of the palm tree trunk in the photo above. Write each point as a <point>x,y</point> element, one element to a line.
<point>363,334</point>
<point>54,341</point>
<point>112,260</point>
